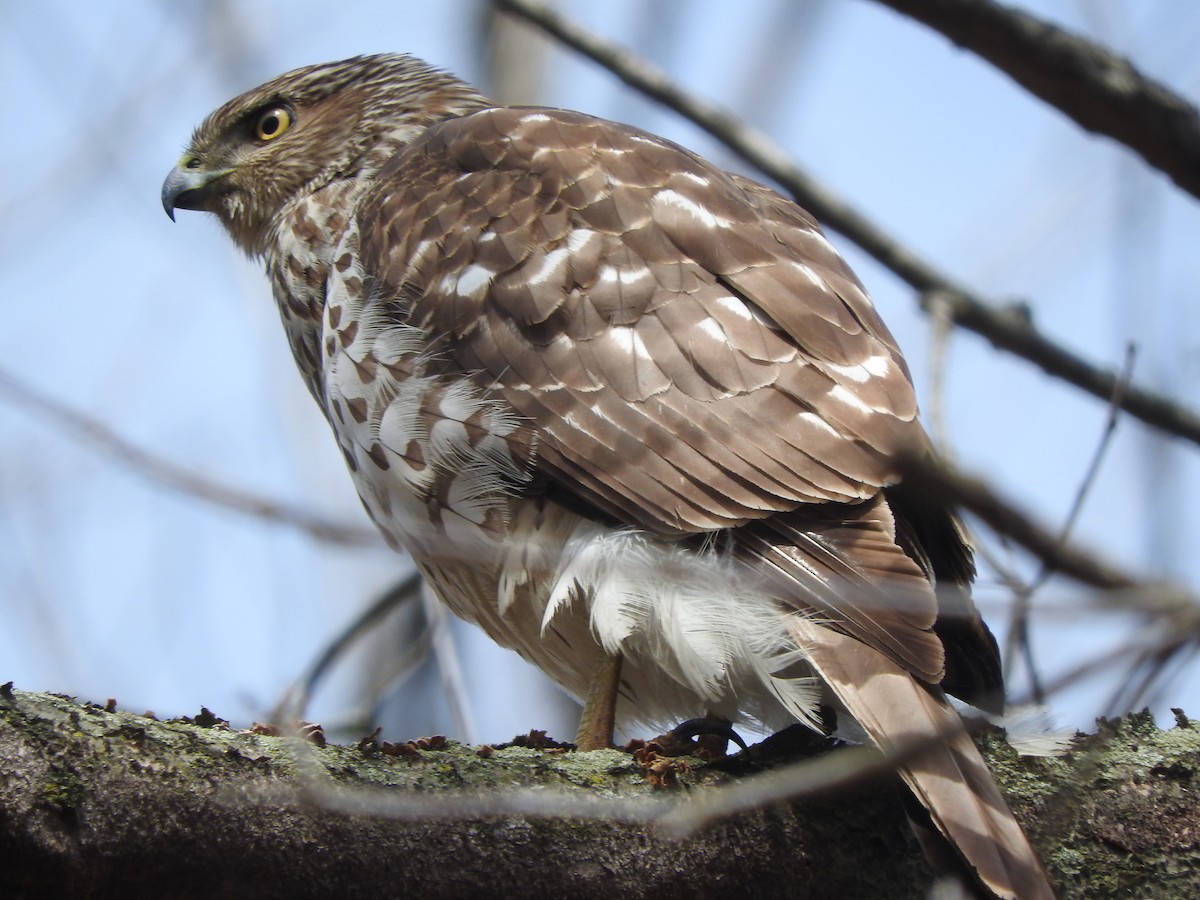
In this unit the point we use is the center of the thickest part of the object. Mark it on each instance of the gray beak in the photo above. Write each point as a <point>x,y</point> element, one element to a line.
<point>186,189</point>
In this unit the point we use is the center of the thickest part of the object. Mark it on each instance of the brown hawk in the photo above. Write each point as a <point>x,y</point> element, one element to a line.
<point>629,413</point>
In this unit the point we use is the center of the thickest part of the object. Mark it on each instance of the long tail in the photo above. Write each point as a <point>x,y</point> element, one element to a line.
<point>950,778</point>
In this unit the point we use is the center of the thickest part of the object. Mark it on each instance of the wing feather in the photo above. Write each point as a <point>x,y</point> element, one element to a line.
<point>606,286</point>
<point>690,351</point>
<point>844,560</point>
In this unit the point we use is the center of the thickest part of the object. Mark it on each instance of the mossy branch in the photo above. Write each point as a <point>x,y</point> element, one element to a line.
<point>94,800</point>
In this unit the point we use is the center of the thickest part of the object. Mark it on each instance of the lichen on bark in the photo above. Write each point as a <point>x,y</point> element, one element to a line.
<point>93,799</point>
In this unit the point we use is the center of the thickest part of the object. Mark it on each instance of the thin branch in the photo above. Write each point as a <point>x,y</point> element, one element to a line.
<point>1171,633</point>
<point>838,769</point>
<point>1171,613</point>
<point>294,704</point>
<point>1018,635</point>
<point>1100,91</point>
<point>1147,671</point>
<point>449,665</point>
<point>938,479</point>
<point>939,352</point>
<point>100,437</point>
<point>1093,468</point>
<point>1008,329</point>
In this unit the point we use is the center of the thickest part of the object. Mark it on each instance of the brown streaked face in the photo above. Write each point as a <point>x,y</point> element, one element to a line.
<point>294,135</point>
<point>254,153</point>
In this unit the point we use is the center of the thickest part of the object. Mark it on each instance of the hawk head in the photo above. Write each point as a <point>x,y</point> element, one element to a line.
<point>303,130</point>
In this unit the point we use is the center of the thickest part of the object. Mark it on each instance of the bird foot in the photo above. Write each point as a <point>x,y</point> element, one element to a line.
<point>705,736</point>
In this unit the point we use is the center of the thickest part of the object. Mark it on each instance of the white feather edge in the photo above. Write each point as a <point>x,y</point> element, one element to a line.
<point>1031,730</point>
<point>707,623</point>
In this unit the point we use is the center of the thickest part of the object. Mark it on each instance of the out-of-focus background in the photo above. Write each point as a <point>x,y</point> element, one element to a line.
<point>113,584</point>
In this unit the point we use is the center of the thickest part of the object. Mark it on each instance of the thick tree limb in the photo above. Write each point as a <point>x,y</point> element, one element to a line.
<point>1008,329</point>
<point>94,800</point>
<point>1101,91</point>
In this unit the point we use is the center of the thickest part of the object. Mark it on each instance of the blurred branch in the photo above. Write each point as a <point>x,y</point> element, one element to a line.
<point>1099,90</point>
<point>939,479</point>
<point>449,662</point>
<point>155,468</point>
<point>1172,636</point>
<point>294,705</point>
<point>1170,613</point>
<point>1010,329</point>
<point>1093,469</point>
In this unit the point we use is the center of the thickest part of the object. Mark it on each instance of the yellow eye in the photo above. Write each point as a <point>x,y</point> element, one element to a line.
<point>272,123</point>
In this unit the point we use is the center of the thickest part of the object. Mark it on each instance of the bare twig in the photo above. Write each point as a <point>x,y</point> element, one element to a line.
<point>1138,687</point>
<point>1171,613</point>
<point>1093,468</point>
<point>155,468</point>
<point>1101,91</point>
<point>449,666</point>
<point>1018,635</point>
<point>1009,329</point>
<point>1170,633</point>
<point>293,705</point>
<point>939,349</point>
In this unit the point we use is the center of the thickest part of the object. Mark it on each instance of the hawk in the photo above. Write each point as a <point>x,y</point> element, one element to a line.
<point>629,413</point>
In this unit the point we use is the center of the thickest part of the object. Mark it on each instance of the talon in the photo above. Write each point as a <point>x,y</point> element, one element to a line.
<point>685,731</point>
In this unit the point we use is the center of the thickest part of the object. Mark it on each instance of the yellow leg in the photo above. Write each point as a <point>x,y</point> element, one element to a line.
<point>600,709</point>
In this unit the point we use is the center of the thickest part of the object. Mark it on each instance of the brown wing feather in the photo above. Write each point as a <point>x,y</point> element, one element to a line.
<point>730,367</point>
<point>844,561</point>
<point>693,354</point>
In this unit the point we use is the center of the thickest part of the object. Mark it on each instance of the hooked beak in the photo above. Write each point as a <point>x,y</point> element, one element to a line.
<point>186,189</point>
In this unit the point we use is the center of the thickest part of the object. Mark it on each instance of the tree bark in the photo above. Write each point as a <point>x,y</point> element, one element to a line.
<point>94,800</point>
